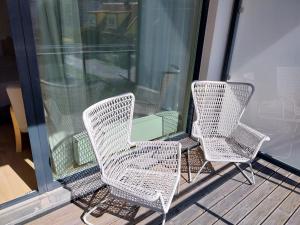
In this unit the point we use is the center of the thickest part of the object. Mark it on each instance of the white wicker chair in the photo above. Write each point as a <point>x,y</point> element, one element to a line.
<point>219,107</point>
<point>144,173</point>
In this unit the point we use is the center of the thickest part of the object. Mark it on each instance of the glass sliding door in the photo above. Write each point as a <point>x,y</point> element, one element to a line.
<point>18,171</point>
<point>267,54</point>
<point>89,50</point>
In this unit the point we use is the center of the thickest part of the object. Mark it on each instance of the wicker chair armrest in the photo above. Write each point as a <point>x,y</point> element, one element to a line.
<point>249,138</point>
<point>252,131</point>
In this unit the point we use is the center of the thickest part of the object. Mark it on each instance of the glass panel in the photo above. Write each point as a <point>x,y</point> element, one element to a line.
<point>267,54</point>
<point>89,50</point>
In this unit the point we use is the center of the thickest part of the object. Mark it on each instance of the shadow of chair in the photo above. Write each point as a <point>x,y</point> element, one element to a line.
<point>194,161</point>
<point>150,101</point>
<point>88,191</point>
<point>109,204</point>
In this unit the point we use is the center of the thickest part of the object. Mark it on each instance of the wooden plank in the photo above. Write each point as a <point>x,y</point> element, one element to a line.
<point>222,207</point>
<point>238,212</point>
<point>17,175</point>
<point>199,207</point>
<point>69,214</point>
<point>261,212</point>
<point>116,210</point>
<point>215,194</point>
<point>145,214</point>
<point>295,218</point>
<point>188,194</point>
<point>286,209</point>
<point>193,211</point>
<point>64,216</point>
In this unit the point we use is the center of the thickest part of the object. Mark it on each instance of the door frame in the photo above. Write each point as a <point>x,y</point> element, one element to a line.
<point>197,63</point>
<point>22,35</point>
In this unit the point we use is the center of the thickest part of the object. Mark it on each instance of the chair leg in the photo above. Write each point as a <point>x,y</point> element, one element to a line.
<point>252,173</point>
<point>188,166</point>
<point>18,137</point>
<point>199,171</point>
<point>252,181</point>
<point>164,219</point>
<point>178,188</point>
<point>84,218</point>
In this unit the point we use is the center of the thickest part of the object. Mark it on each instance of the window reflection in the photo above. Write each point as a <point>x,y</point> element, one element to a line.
<point>89,50</point>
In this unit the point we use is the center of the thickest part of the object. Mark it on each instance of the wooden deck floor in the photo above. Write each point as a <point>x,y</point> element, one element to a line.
<point>17,175</point>
<point>221,195</point>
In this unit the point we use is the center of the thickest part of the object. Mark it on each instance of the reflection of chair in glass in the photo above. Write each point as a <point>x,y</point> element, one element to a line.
<point>150,101</point>
<point>63,116</point>
<point>170,120</point>
<point>219,107</point>
<point>285,106</point>
<point>17,113</point>
<point>154,104</point>
<point>279,112</point>
<point>145,173</point>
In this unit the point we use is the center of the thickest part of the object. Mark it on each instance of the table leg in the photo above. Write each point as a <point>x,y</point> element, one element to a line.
<point>188,165</point>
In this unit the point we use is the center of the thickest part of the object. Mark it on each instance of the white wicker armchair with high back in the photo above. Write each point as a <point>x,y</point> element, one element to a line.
<point>219,107</point>
<point>145,173</point>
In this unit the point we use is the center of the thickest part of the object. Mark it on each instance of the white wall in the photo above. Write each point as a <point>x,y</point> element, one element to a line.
<point>218,22</point>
